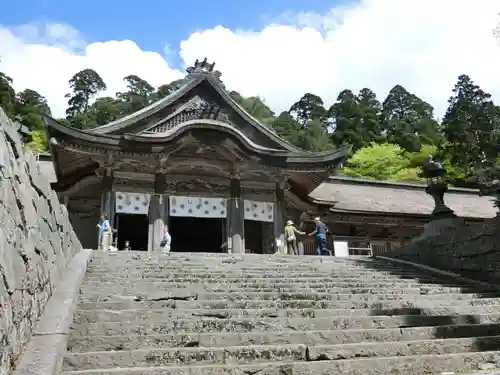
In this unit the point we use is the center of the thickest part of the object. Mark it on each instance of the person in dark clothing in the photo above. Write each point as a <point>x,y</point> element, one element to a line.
<point>320,232</point>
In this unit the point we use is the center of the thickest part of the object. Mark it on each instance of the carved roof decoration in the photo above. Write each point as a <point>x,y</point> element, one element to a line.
<point>202,73</point>
<point>195,109</point>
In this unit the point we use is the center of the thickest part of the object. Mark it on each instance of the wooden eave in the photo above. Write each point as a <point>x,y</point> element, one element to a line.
<point>218,131</point>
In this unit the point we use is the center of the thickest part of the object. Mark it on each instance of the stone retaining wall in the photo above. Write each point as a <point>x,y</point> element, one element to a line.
<point>36,243</point>
<point>472,251</point>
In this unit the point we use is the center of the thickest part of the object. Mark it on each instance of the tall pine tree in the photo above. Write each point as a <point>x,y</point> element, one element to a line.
<point>471,126</point>
<point>356,119</point>
<point>408,121</point>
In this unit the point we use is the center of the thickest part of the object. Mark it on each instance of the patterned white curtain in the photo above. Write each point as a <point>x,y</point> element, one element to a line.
<point>198,207</point>
<point>132,203</point>
<point>258,211</point>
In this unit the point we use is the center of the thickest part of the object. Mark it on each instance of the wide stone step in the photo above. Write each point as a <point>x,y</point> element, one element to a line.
<point>129,302</point>
<point>136,315</point>
<point>228,289</point>
<point>132,287</point>
<point>227,264</point>
<point>414,365</point>
<point>347,282</point>
<point>258,353</point>
<point>188,294</point>
<point>326,337</point>
<point>279,283</point>
<point>243,264</point>
<point>263,273</point>
<point>205,325</point>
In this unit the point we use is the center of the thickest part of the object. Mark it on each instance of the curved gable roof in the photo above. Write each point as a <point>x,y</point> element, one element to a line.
<point>124,124</point>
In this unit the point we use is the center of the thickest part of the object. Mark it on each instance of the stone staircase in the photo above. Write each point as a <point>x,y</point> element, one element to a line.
<point>211,314</point>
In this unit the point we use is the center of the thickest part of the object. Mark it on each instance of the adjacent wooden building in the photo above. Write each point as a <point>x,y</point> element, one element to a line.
<point>199,163</point>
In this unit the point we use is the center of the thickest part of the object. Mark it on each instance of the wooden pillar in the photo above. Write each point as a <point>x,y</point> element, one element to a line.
<point>235,219</point>
<point>279,218</point>
<point>158,212</point>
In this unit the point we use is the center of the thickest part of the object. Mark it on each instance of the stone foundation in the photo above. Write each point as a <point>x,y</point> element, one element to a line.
<point>36,243</point>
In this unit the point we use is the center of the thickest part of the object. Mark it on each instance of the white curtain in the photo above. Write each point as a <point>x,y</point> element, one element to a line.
<point>258,211</point>
<point>198,207</point>
<point>132,203</point>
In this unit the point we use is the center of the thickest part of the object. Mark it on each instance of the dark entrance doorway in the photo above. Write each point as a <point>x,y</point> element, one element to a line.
<point>197,235</point>
<point>133,228</point>
<point>253,237</point>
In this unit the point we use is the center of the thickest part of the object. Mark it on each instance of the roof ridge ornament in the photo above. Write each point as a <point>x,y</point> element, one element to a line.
<point>203,68</point>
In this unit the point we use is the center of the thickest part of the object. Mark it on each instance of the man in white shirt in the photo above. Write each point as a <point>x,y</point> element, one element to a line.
<point>166,241</point>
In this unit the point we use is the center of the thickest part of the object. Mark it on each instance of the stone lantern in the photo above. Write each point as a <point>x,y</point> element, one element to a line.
<point>434,173</point>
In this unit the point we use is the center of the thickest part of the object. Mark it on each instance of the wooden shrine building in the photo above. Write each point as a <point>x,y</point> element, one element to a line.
<point>199,163</point>
<point>195,160</point>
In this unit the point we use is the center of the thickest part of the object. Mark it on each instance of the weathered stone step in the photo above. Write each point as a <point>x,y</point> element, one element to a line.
<point>141,315</point>
<point>128,302</point>
<point>243,279</point>
<point>203,257</point>
<point>309,280</point>
<point>253,267</point>
<point>141,287</point>
<point>205,325</point>
<point>263,273</point>
<point>326,337</point>
<point>187,294</point>
<point>414,365</point>
<point>309,283</point>
<point>264,353</point>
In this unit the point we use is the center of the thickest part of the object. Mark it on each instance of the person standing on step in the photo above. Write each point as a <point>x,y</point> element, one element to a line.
<point>320,232</point>
<point>291,237</point>
<point>166,241</point>
<point>105,233</point>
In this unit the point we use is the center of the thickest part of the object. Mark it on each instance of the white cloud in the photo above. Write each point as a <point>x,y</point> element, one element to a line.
<point>44,59</point>
<point>421,44</point>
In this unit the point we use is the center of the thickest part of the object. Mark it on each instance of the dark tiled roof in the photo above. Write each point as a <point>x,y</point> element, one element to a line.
<point>355,195</point>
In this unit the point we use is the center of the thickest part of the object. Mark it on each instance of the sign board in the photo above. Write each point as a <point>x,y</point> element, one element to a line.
<point>341,249</point>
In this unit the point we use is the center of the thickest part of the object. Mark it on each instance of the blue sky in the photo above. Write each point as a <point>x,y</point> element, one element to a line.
<point>351,44</point>
<point>152,24</point>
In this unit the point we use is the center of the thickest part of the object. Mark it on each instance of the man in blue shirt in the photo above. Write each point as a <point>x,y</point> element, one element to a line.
<point>320,232</point>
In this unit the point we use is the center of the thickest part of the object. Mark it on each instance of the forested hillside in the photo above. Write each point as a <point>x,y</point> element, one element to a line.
<point>391,137</point>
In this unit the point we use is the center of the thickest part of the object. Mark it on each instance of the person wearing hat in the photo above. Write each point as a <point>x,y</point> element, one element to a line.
<point>291,238</point>
<point>320,232</point>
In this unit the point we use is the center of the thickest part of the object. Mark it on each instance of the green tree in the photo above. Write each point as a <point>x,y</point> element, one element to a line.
<point>104,110</point>
<point>85,85</point>
<point>370,109</point>
<point>255,106</point>
<point>471,126</point>
<point>286,127</point>
<point>314,137</point>
<point>378,162</point>
<point>7,95</point>
<point>39,142</point>
<point>30,106</point>
<point>167,89</point>
<point>355,118</point>
<point>138,96</point>
<point>309,107</point>
<point>408,121</point>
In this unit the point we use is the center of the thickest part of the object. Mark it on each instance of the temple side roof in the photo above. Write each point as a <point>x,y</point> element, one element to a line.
<point>358,196</point>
